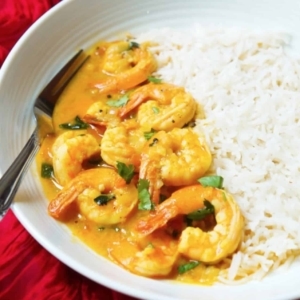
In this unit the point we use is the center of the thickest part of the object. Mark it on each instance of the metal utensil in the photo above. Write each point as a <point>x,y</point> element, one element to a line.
<point>44,105</point>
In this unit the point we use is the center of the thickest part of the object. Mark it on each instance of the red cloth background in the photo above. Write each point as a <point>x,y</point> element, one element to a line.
<point>28,271</point>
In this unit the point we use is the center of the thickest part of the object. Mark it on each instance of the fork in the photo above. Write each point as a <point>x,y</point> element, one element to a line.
<point>44,105</point>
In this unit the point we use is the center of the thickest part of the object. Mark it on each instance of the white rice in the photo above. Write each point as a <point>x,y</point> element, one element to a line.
<point>250,91</point>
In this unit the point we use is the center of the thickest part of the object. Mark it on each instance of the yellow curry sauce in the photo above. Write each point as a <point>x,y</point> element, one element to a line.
<point>113,240</point>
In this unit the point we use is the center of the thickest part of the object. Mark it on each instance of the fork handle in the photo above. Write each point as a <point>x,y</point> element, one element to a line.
<point>11,179</point>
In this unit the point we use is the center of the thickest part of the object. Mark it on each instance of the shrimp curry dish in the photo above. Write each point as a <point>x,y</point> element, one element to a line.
<point>125,170</point>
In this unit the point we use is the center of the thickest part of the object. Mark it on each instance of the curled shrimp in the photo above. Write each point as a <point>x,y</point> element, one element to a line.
<point>119,198</point>
<point>69,151</point>
<point>211,246</point>
<point>123,143</point>
<point>175,158</point>
<point>127,64</point>
<point>101,114</point>
<point>166,106</point>
<point>154,259</point>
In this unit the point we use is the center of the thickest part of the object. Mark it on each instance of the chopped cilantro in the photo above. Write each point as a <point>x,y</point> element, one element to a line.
<point>46,170</point>
<point>187,267</point>
<point>104,199</point>
<point>78,124</point>
<point>144,195</point>
<point>126,172</point>
<point>149,134</point>
<point>155,110</point>
<point>202,213</point>
<point>133,45</point>
<point>118,103</point>
<point>154,79</point>
<point>213,181</point>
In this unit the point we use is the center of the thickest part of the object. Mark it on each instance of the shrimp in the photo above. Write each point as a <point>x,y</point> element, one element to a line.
<point>167,106</point>
<point>175,158</point>
<point>123,143</point>
<point>101,114</point>
<point>211,246</point>
<point>155,259</point>
<point>69,151</point>
<point>119,198</point>
<point>127,64</point>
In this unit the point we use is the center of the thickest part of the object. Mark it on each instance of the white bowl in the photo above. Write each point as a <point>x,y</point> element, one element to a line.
<point>45,47</point>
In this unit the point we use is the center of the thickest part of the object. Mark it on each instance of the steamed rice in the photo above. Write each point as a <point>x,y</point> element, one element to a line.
<point>249,89</point>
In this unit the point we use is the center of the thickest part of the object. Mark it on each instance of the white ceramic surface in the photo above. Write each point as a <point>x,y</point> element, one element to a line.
<point>46,46</point>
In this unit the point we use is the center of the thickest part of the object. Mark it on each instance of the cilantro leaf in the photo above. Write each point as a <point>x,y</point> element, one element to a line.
<point>144,195</point>
<point>149,134</point>
<point>202,213</point>
<point>126,172</point>
<point>154,79</point>
<point>118,103</point>
<point>104,199</point>
<point>155,110</point>
<point>46,170</point>
<point>78,124</point>
<point>133,45</point>
<point>213,181</point>
<point>187,267</point>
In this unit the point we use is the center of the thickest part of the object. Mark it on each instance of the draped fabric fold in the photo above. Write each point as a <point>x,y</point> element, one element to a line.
<point>28,271</point>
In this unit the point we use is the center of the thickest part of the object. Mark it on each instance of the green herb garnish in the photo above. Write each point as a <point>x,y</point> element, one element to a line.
<point>78,124</point>
<point>187,267</point>
<point>104,199</point>
<point>118,103</point>
<point>154,79</point>
<point>46,170</point>
<point>202,213</point>
<point>126,172</point>
<point>144,195</point>
<point>155,110</point>
<point>133,45</point>
<point>149,134</point>
<point>213,181</point>
<point>101,228</point>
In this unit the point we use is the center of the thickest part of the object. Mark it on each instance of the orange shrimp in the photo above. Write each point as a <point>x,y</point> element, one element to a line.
<point>175,158</point>
<point>126,66</point>
<point>90,184</point>
<point>166,106</point>
<point>211,246</point>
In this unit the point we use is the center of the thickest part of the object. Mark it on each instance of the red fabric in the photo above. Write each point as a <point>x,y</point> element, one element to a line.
<point>27,271</point>
<point>15,17</point>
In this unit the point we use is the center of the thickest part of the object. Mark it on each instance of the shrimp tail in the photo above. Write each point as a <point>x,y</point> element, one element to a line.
<point>106,86</point>
<point>58,206</point>
<point>163,213</point>
<point>134,102</point>
<point>150,171</point>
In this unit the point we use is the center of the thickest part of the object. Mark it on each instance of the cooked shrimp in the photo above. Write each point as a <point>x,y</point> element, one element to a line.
<point>69,151</point>
<point>126,65</point>
<point>166,106</point>
<point>155,259</point>
<point>101,114</point>
<point>123,143</point>
<point>211,246</point>
<point>119,198</point>
<point>175,158</point>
